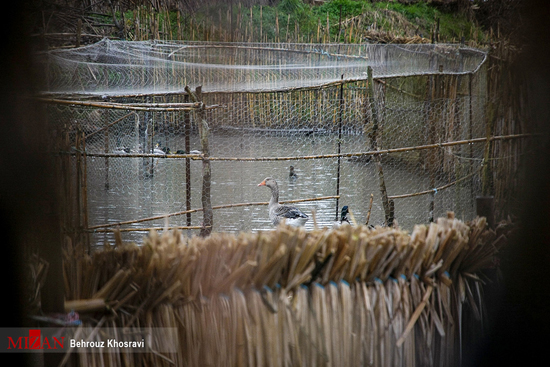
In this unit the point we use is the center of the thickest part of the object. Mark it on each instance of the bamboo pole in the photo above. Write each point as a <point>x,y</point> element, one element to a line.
<point>85,305</point>
<point>143,229</point>
<point>107,126</point>
<point>164,107</point>
<point>369,209</point>
<point>225,206</point>
<point>437,189</point>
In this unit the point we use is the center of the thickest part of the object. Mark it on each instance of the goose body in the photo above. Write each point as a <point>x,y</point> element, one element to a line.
<point>277,212</point>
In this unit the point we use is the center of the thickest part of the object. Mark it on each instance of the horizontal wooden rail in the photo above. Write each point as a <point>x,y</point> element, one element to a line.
<point>161,107</point>
<point>94,228</point>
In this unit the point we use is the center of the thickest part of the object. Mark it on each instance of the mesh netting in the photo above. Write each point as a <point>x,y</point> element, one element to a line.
<point>145,162</point>
<point>147,67</point>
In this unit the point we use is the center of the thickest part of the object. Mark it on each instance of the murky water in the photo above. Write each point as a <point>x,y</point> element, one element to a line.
<point>132,194</point>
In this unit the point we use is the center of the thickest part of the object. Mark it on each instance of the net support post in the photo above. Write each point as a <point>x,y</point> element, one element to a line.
<point>206,169</point>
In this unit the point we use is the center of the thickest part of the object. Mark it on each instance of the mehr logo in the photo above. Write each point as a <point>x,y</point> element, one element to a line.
<point>36,341</point>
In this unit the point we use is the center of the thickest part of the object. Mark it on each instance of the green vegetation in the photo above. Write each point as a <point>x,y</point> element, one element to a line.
<point>295,21</point>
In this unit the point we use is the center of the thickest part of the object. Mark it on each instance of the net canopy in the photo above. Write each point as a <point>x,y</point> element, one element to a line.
<point>118,68</point>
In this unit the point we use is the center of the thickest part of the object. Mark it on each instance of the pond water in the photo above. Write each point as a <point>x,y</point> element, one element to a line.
<point>132,194</point>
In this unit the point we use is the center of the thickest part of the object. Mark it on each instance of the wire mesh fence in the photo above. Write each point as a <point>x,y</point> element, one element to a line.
<point>114,68</point>
<point>407,150</point>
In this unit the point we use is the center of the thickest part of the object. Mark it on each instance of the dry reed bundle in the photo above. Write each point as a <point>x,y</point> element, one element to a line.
<point>346,297</point>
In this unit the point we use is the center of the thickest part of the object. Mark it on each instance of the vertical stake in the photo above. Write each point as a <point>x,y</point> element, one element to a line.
<point>206,170</point>
<point>341,99</point>
<point>187,128</point>
<point>382,183</point>
<point>106,148</point>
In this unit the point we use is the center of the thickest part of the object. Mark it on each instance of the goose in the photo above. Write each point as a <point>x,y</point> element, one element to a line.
<point>292,175</point>
<point>277,212</point>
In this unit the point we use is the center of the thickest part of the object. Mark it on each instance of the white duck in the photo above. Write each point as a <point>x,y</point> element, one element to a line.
<point>277,212</point>
<point>157,150</point>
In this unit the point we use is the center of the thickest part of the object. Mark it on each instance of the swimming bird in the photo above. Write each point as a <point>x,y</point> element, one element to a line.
<point>292,175</point>
<point>277,212</point>
<point>181,151</point>
<point>121,150</point>
<point>158,150</point>
<point>343,218</point>
<point>344,215</point>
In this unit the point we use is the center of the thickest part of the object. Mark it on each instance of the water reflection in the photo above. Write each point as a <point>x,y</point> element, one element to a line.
<point>133,194</point>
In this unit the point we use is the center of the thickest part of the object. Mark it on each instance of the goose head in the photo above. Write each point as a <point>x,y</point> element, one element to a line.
<point>269,182</point>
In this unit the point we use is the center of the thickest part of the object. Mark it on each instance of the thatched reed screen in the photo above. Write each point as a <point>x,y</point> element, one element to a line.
<point>413,138</point>
<point>346,297</point>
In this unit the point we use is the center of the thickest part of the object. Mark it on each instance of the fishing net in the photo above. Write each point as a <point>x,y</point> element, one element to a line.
<point>123,116</point>
<point>157,67</point>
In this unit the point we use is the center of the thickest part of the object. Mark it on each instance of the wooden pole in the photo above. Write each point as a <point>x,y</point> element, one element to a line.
<point>369,210</point>
<point>187,128</point>
<point>206,170</point>
<point>431,136</point>
<point>341,111</point>
<point>93,228</point>
<point>377,160</point>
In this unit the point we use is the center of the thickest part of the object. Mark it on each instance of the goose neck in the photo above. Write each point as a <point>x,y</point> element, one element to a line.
<point>274,196</point>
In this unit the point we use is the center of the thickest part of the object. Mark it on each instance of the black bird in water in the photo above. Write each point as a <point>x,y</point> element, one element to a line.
<point>292,175</point>
<point>343,218</point>
<point>344,215</point>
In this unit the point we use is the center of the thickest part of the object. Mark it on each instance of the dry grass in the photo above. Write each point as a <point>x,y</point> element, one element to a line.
<point>345,297</point>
